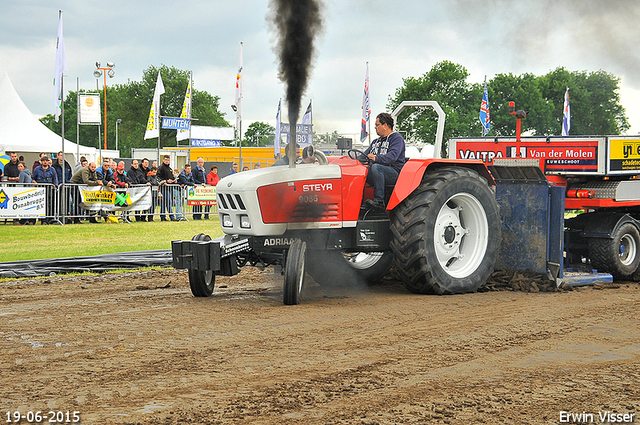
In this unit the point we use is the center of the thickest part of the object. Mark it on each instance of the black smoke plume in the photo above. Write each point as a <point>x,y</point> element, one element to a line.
<point>297,23</point>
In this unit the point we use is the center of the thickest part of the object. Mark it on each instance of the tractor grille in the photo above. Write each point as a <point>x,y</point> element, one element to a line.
<point>231,201</point>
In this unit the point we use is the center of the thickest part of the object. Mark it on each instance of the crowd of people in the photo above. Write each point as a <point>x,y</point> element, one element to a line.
<point>166,183</point>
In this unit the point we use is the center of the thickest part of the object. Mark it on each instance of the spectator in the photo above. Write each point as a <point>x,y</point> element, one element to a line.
<point>165,177</point>
<point>152,180</point>
<point>82,163</point>
<point>104,173</point>
<point>11,171</point>
<point>120,179</point>
<point>137,176</point>
<point>154,164</point>
<point>113,165</point>
<point>185,178</point>
<point>88,176</point>
<point>245,168</point>
<point>234,168</point>
<point>199,178</point>
<point>256,166</point>
<point>212,180</point>
<point>67,169</point>
<point>144,168</point>
<point>45,174</point>
<point>37,162</point>
<point>24,178</point>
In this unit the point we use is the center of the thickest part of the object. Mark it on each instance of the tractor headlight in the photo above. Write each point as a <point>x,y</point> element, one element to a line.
<point>245,223</point>
<point>226,220</point>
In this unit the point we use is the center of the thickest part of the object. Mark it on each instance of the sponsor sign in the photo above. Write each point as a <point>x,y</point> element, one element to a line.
<point>176,123</point>
<point>94,198</point>
<point>22,202</point>
<point>576,156</point>
<point>304,133</point>
<point>205,143</point>
<point>201,195</point>
<point>89,109</point>
<point>624,155</point>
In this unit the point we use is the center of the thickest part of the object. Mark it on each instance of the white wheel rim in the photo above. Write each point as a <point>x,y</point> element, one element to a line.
<point>363,260</point>
<point>461,235</point>
<point>628,254</point>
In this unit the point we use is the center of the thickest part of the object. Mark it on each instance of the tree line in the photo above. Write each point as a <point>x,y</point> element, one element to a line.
<point>595,107</point>
<point>594,99</point>
<point>131,103</point>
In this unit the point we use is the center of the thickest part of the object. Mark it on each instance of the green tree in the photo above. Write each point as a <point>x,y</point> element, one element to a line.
<point>259,134</point>
<point>131,102</point>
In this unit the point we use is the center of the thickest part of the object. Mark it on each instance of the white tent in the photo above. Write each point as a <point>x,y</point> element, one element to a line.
<point>22,132</point>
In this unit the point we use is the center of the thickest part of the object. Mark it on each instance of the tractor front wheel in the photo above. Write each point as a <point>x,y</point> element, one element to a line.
<point>201,282</point>
<point>294,272</point>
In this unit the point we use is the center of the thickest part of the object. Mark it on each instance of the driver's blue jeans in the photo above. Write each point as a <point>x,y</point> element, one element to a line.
<point>380,176</point>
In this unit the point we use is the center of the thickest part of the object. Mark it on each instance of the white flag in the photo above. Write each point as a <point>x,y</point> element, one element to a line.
<point>239,84</point>
<point>186,113</point>
<point>276,142</point>
<point>153,123</point>
<point>61,68</point>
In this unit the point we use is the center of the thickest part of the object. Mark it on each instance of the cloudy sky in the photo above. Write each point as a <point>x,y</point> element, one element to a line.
<point>399,39</point>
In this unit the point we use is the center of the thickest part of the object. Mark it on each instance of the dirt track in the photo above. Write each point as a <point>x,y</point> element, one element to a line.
<point>139,349</point>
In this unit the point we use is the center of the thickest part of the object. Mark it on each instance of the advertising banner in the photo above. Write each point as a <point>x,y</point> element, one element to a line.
<point>624,155</point>
<point>89,109</point>
<point>201,195</point>
<point>95,198</point>
<point>22,202</point>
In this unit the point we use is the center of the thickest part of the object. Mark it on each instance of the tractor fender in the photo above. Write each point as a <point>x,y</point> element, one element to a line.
<point>413,172</point>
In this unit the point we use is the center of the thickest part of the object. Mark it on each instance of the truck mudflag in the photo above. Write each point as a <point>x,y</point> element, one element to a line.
<point>485,119</point>
<point>566,114</point>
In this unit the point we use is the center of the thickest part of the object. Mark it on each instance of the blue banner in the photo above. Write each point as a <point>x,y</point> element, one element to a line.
<point>176,123</point>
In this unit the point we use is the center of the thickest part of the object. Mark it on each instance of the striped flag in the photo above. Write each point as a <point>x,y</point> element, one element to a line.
<point>239,87</point>
<point>276,143</point>
<point>61,68</point>
<point>307,118</point>
<point>566,114</point>
<point>366,109</point>
<point>485,119</point>
<point>153,123</point>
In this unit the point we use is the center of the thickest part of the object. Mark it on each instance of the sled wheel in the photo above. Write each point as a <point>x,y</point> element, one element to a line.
<point>446,234</point>
<point>618,256</point>
<point>294,272</point>
<point>201,282</point>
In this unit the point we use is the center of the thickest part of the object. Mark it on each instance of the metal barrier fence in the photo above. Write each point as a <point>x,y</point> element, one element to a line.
<point>60,205</point>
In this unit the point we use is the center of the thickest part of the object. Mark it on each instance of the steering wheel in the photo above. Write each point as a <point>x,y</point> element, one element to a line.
<point>358,155</point>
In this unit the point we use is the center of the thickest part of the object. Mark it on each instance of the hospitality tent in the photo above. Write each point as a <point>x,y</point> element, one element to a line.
<point>22,132</point>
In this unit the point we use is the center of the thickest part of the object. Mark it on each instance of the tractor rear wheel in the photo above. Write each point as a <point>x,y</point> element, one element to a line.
<point>335,268</point>
<point>447,233</point>
<point>620,255</point>
<point>201,282</point>
<point>294,272</point>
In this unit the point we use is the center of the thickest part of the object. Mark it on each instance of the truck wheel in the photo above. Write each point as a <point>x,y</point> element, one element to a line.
<point>447,233</point>
<point>294,272</point>
<point>334,268</point>
<point>201,282</point>
<point>618,256</point>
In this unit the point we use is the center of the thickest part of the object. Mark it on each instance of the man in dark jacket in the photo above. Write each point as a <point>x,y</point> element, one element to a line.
<point>88,176</point>
<point>104,173</point>
<point>166,177</point>
<point>199,178</point>
<point>45,174</point>
<point>11,168</point>
<point>58,165</point>
<point>137,176</point>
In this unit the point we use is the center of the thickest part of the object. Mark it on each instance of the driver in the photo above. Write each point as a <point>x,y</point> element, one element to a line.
<point>386,156</point>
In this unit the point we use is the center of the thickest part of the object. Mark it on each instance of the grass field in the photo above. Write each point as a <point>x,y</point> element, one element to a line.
<point>79,240</point>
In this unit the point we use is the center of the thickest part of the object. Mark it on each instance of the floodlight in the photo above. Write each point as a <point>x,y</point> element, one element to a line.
<point>97,73</point>
<point>111,65</point>
<point>97,64</point>
<point>111,73</point>
<point>234,107</point>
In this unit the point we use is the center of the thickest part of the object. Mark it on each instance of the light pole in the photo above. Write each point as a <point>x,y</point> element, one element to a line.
<point>118,121</point>
<point>97,73</point>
